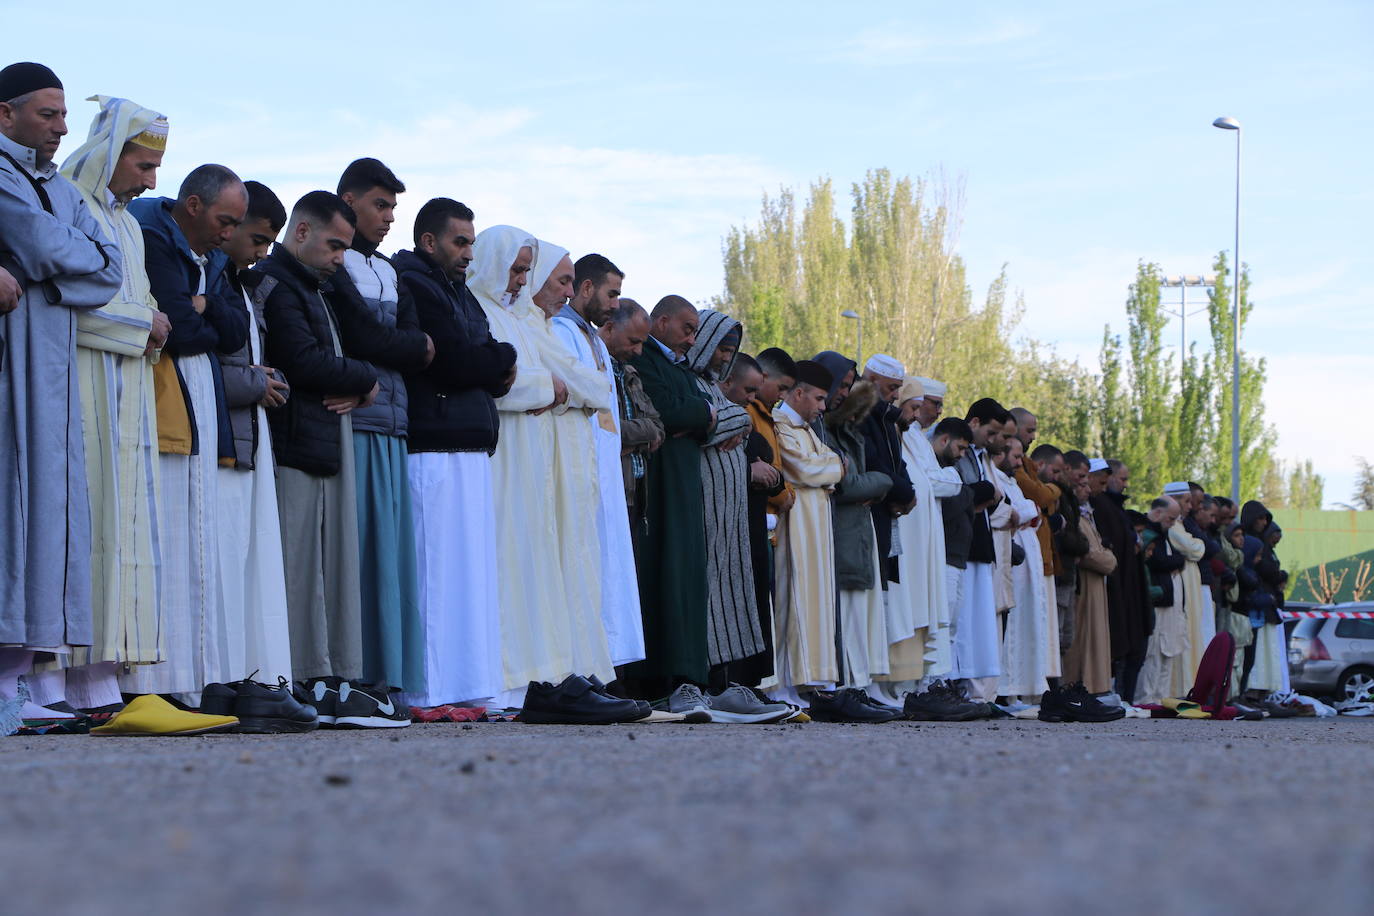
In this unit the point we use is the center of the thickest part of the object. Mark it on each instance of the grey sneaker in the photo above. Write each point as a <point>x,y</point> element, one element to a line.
<point>689,701</point>
<point>739,705</point>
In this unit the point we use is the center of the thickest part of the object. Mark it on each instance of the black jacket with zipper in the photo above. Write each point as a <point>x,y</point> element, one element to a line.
<point>452,407</point>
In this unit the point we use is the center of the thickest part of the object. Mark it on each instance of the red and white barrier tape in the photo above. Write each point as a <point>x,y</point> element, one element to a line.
<point>1324,615</point>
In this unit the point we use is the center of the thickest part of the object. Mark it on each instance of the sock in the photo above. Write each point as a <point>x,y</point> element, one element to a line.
<point>13,663</point>
<point>47,687</point>
<point>93,686</point>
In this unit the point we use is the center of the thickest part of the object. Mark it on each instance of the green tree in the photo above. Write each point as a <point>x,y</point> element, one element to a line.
<point>1363,497</point>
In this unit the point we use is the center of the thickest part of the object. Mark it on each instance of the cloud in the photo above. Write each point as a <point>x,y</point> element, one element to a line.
<point>891,45</point>
<point>659,215</point>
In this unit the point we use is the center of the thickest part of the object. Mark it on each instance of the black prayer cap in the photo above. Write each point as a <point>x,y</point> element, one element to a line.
<point>810,372</point>
<point>25,77</point>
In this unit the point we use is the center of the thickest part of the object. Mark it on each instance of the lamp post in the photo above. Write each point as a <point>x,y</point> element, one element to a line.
<point>859,342</point>
<point>1182,283</point>
<point>1233,124</point>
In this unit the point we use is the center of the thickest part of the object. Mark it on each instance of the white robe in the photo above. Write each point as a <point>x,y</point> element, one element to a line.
<point>1025,643</point>
<point>922,564</point>
<point>620,612</point>
<point>252,577</point>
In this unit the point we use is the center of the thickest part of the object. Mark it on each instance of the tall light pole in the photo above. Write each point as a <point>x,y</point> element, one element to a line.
<point>1182,283</point>
<point>859,343</point>
<point>1233,124</point>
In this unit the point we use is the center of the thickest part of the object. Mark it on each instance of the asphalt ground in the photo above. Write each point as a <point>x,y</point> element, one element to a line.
<point>1136,816</point>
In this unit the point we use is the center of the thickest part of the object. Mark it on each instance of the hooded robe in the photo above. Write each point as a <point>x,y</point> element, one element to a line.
<point>119,416</point>
<point>732,623</point>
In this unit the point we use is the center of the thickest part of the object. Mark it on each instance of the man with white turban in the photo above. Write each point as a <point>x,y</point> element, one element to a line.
<point>536,639</point>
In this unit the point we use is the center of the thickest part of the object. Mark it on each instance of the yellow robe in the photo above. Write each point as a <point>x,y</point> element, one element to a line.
<point>804,619</point>
<point>1201,621</point>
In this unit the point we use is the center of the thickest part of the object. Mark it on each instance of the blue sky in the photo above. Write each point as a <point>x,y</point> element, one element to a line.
<point>1082,131</point>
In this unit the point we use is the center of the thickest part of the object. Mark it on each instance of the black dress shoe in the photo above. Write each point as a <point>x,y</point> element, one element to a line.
<point>602,689</point>
<point>261,710</point>
<point>849,705</point>
<point>575,702</point>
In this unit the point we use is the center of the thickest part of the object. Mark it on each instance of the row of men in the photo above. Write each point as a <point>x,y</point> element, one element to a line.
<point>473,466</point>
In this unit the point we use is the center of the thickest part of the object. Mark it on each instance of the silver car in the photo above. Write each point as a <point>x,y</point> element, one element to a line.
<point>1334,656</point>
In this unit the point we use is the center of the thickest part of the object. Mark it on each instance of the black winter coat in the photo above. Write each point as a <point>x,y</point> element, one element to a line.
<point>451,400</point>
<point>305,435</point>
<point>883,452</point>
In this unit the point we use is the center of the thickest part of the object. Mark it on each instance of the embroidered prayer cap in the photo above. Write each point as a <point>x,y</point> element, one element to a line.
<point>884,365</point>
<point>911,388</point>
<point>154,136</point>
<point>933,388</point>
<point>1177,488</point>
<point>25,77</point>
<point>92,165</point>
<point>810,372</point>
<point>1098,464</point>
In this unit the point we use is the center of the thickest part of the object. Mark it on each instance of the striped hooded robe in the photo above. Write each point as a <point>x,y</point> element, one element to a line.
<point>732,623</point>
<point>118,413</point>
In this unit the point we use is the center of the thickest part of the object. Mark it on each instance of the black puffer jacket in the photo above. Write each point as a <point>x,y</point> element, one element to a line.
<point>451,400</point>
<point>305,435</point>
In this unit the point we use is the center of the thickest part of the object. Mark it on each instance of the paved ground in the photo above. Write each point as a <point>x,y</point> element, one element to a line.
<point>1138,816</point>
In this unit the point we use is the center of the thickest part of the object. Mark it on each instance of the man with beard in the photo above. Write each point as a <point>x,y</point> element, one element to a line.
<point>453,431</point>
<point>805,615</point>
<point>596,293</point>
<point>1129,614</point>
<point>765,482</point>
<point>949,442</point>
<point>1089,659</point>
<point>312,436</point>
<point>1201,622</point>
<point>779,375</point>
<point>883,453</point>
<point>115,346</point>
<point>641,431</point>
<point>1026,644</point>
<point>188,275</point>
<point>977,656</point>
<point>1069,543</point>
<point>672,569</point>
<point>379,325</point>
<point>1038,485</point>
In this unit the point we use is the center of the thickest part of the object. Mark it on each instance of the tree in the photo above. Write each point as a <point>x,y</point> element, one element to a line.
<point>1363,497</point>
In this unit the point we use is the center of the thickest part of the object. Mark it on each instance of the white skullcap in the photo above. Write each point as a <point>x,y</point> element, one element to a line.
<point>911,388</point>
<point>933,388</point>
<point>1098,464</point>
<point>884,365</point>
<point>1176,488</point>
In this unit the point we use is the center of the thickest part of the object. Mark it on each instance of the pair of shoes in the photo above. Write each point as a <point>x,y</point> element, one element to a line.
<point>1286,705</point>
<point>849,704</point>
<point>152,715</point>
<point>1355,708</point>
<point>735,705</point>
<point>352,704</point>
<point>260,709</point>
<point>942,702</point>
<point>576,701</point>
<point>1073,703</point>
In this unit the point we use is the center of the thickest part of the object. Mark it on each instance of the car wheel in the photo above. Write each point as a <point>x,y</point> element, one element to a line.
<point>1356,684</point>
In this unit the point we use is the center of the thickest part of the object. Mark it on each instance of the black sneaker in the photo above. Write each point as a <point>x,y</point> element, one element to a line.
<point>576,702</point>
<point>218,699</point>
<point>942,703</point>
<point>323,694</point>
<point>1073,703</point>
<point>849,705</point>
<point>369,706</point>
<point>264,710</point>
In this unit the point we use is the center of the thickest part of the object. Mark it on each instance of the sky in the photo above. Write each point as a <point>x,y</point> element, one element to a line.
<point>1081,131</point>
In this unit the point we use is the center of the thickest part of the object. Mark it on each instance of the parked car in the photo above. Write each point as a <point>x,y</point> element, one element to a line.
<point>1334,656</point>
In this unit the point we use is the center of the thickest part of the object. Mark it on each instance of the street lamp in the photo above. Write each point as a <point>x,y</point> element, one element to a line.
<point>859,342</point>
<point>1182,283</point>
<point>1233,124</point>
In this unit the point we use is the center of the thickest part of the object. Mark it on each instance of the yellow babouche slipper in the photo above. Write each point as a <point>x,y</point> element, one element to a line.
<point>152,715</point>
